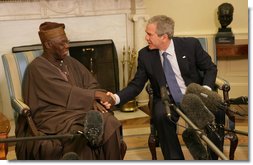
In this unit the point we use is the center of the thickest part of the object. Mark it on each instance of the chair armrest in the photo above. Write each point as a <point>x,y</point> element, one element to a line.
<point>19,106</point>
<point>150,94</point>
<point>222,84</point>
<point>25,111</point>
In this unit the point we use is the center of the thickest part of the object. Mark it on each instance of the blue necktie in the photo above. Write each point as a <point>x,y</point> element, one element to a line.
<point>171,80</point>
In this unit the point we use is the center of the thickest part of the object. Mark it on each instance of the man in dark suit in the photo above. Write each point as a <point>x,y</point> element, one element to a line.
<point>187,58</point>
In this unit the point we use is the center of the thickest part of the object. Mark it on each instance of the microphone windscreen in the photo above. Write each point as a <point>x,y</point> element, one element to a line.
<point>196,111</point>
<point>194,144</point>
<point>94,128</point>
<point>211,99</point>
<point>70,156</point>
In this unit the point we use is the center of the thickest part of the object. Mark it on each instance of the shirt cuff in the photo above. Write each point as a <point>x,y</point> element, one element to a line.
<point>117,101</point>
<point>207,87</point>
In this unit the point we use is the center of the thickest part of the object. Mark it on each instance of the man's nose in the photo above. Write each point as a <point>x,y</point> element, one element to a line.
<point>146,37</point>
<point>66,45</point>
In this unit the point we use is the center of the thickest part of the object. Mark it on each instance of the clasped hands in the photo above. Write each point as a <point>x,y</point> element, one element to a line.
<point>106,99</point>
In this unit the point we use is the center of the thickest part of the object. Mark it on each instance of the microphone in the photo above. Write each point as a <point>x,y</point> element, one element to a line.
<point>196,111</point>
<point>199,132</point>
<point>166,101</point>
<point>93,131</point>
<point>70,156</point>
<point>94,128</point>
<point>194,144</point>
<point>211,99</point>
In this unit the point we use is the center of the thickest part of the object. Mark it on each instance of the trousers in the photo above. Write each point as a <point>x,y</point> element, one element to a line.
<point>166,130</point>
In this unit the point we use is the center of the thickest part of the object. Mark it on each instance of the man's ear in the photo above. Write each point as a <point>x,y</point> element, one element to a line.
<point>47,44</point>
<point>165,36</point>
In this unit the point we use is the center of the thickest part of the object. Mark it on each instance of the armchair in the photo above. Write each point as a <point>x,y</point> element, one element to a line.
<point>14,67</point>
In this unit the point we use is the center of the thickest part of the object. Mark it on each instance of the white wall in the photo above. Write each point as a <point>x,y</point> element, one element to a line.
<point>196,17</point>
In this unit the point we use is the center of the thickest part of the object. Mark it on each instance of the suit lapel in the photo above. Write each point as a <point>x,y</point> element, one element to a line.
<point>182,57</point>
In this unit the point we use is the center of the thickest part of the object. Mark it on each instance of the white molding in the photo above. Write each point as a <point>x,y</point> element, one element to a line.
<point>23,10</point>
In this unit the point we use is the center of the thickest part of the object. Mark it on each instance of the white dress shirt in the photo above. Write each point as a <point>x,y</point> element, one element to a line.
<point>174,64</point>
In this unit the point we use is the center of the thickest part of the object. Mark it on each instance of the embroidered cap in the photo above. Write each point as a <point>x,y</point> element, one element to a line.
<point>50,30</point>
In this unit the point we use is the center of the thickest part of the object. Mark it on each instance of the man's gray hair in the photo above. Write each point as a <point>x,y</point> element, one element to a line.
<point>164,25</point>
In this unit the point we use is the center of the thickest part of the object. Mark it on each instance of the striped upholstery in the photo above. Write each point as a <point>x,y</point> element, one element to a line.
<point>15,65</point>
<point>203,42</point>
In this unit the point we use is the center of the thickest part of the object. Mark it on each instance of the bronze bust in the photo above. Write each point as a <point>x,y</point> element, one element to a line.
<point>225,17</point>
<point>225,14</point>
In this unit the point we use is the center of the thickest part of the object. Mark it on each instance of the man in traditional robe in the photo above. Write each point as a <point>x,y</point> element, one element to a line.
<point>60,91</point>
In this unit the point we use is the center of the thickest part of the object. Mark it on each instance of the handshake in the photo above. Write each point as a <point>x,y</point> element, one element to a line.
<point>106,99</point>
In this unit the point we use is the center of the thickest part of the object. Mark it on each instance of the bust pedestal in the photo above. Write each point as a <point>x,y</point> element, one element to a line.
<point>225,36</point>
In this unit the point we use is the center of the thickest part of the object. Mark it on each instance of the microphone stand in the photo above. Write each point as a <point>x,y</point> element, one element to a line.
<point>201,134</point>
<point>236,131</point>
<point>42,137</point>
<point>166,101</point>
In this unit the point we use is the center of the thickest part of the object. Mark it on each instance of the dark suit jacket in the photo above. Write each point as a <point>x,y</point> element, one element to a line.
<point>191,57</point>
